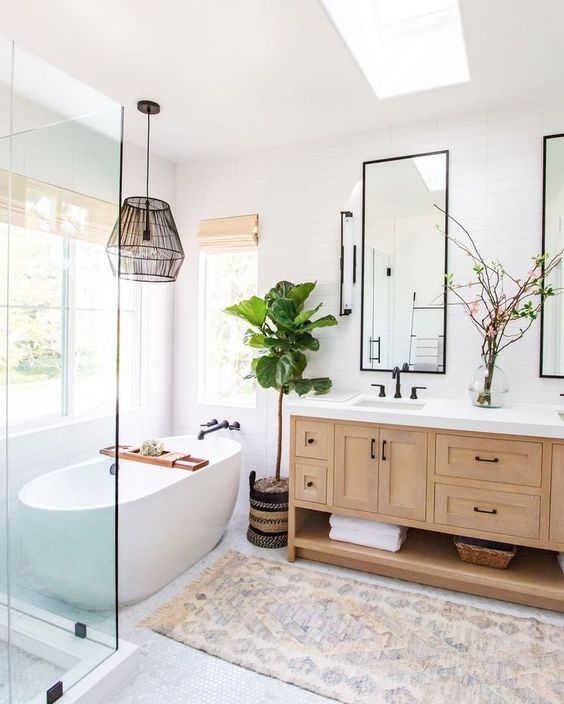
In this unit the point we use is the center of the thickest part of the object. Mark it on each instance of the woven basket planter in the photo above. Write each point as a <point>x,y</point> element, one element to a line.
<point>268,516</point>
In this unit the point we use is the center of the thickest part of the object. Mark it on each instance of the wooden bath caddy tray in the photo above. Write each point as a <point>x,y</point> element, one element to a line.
<point>175,460</point>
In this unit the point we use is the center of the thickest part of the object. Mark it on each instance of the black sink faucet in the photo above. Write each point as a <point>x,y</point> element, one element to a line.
<point>396,376</point>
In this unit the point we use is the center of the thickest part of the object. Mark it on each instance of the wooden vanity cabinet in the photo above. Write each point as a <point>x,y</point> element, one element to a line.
<point>440,484</point>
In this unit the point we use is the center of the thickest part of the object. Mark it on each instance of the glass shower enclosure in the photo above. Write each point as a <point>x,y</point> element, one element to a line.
<point>60,176</point>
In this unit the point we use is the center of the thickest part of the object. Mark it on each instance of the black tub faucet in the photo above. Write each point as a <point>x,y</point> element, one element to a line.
<point>219,426</point>
<point>396,375</point>
<point>213,425</point>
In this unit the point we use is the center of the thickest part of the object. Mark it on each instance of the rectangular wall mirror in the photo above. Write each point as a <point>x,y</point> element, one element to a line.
<point>403,263</point>
<point>552,315</point>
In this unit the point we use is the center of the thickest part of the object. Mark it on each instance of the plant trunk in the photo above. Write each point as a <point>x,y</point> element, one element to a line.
<point>279,441</point>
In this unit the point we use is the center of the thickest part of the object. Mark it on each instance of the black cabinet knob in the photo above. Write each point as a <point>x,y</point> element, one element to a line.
<point>309,484</point>
<point>310,441</point>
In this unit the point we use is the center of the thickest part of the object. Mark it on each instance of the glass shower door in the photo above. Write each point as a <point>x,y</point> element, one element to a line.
<point>60,174</point>
<point>6,49</point>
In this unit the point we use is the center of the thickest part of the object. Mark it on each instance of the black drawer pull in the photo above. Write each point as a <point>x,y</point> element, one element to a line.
<point>492,511</point>
<point>372,452</point>
<point>485,459</point>
<point>309,484</point>
<point>310,441</point>
<point>384,443</point>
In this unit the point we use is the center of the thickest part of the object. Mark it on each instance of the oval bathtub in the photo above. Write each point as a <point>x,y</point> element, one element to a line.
<point>168,520</point>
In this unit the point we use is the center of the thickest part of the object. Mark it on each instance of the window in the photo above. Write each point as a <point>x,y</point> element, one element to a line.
<point>226,277</point>
<point>62,317</point>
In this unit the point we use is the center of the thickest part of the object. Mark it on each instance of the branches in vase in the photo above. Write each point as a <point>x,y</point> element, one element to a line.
<point>501,306</point>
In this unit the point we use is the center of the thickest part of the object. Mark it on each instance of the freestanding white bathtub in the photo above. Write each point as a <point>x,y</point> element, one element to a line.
<point>168,519</point>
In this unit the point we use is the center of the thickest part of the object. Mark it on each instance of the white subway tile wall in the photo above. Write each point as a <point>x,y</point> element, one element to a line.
<point>495,190</point>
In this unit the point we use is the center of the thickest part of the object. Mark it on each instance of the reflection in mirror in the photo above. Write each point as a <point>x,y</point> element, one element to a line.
<point>552,335</point>
<point>404,262</point>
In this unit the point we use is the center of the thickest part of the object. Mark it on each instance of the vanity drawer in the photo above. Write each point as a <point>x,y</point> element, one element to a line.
<point>485,459</point>
<point>313,439</point>
<point>491,511</point>
<point>310,482</point>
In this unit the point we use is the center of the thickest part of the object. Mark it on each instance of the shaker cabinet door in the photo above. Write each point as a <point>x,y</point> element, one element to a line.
<point>402,486</point>
<point>356,467</point>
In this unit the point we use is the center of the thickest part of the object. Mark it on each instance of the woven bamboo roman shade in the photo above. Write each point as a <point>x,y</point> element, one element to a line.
<point>239,232</point>
<point>43,207</point>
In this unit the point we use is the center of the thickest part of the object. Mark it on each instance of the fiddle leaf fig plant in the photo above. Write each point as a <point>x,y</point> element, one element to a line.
<point>281,329</point>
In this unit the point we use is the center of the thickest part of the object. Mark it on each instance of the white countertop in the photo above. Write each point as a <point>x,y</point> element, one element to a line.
<point>530,419</point>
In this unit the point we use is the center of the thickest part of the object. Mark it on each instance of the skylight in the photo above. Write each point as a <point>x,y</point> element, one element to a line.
<point>403,46</point>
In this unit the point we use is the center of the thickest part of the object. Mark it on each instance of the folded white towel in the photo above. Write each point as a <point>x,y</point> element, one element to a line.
<point>561,560</point>
<point>356,537</point>
<point>375,528</point>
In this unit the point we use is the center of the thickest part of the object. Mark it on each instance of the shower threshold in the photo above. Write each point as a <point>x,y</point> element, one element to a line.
<point>92,668</point>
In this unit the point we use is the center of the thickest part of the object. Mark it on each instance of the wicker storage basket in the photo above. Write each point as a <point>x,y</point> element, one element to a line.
<point>485,552</point>
<point>268,517</point>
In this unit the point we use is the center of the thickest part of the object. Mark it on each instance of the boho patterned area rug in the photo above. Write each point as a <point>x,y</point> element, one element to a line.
<point>363,643</point>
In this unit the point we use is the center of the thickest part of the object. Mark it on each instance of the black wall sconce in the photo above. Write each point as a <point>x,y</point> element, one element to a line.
<point>347,264</point>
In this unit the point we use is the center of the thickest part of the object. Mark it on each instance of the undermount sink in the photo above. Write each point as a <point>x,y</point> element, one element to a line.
<point>391,405</point>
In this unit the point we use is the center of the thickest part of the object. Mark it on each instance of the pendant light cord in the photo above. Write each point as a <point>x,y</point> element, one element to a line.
<point>147,232</point>
<point>148,142</point>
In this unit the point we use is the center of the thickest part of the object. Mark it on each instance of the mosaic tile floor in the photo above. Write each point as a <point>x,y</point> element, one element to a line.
<point>172,673</point>
<point>31,675</point>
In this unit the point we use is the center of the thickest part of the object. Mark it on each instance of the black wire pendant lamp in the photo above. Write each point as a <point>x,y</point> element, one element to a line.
<point>144,244</point>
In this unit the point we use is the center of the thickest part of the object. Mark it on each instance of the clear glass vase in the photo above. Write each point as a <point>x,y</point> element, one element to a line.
<point>488,384</point>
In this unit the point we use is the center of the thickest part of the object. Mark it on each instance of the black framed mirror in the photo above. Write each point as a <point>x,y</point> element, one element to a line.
<point>552,311</point>
<point>404,261</point>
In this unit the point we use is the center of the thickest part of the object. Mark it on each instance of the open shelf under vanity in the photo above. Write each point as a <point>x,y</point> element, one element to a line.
<point>533,577</point>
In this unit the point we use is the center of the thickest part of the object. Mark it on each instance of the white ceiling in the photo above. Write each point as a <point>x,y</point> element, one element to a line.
<point>238,75</point>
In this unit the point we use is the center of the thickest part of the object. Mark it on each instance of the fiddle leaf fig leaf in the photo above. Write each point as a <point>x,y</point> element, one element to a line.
<point>279,291</point>
<point>300,293</point>
<point>278,343</point>
<point>274,372</point>
<point>253,310</point>
<point>301,386</point>
<point>324,322</point>
<point>321,385</point>
<point>254,339</point>
<point>299,363</point>
<point>265,370</point>
<point>284,370</point>
<point>306,315</point>
<point>283,311</point>
<point>306,341</point>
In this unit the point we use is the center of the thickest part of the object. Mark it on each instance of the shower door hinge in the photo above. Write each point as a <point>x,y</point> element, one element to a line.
<point>55,692</point>
<point>80,630</point>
